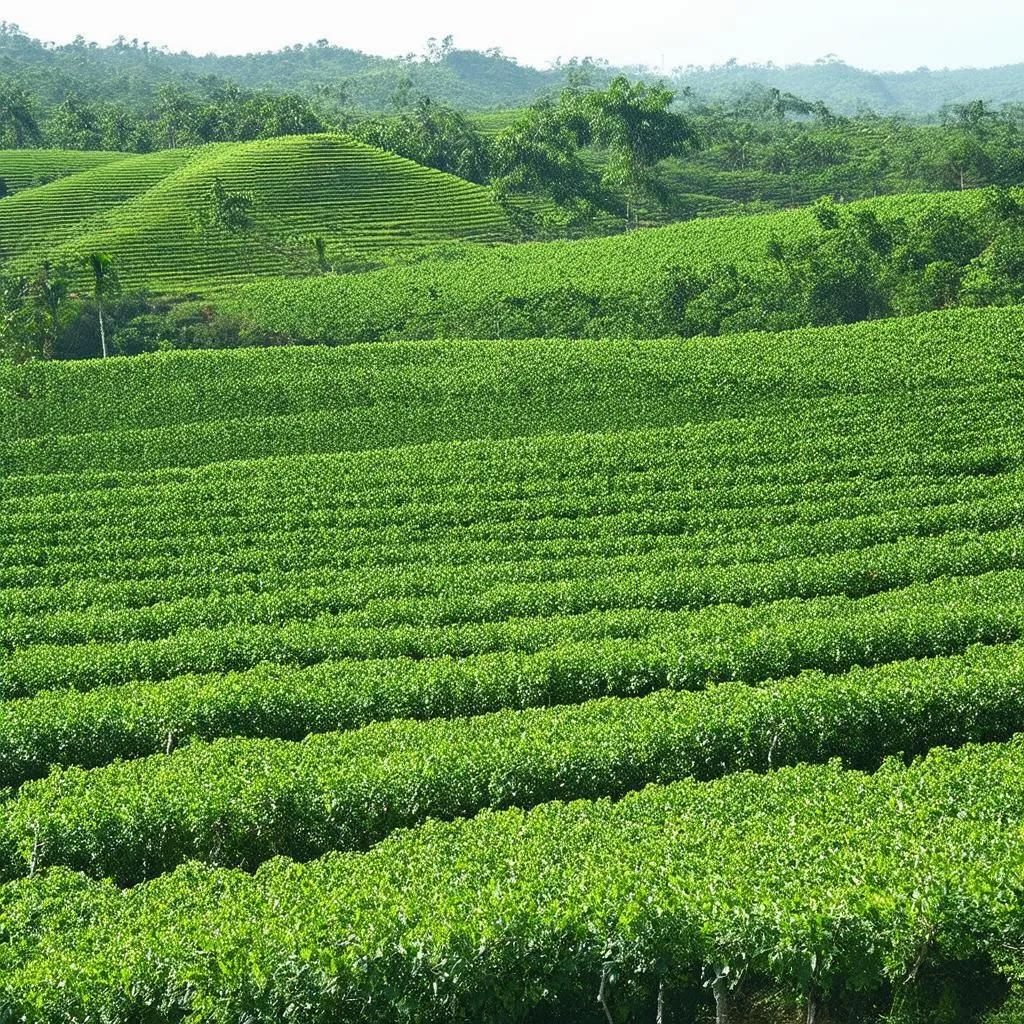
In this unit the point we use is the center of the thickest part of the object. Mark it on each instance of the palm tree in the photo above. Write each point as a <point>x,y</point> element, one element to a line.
<point>104,279</point>
<point>320,248</point>
<point>49,290</point>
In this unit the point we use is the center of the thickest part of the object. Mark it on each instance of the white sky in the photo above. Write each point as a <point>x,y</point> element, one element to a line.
<point>878,34</point>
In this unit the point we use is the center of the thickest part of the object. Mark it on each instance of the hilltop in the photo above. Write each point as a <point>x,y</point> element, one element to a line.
<point>848,90</point>
<point>30,168</point>
<point>157,215</point>
<point>712,275</point>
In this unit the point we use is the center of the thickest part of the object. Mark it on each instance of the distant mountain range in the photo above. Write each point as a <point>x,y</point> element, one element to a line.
<point>847,90</point>
<point>134,72</point>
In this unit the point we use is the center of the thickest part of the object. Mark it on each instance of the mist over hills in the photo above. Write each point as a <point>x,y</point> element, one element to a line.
<point>849,90</point>
<point>133,71</point>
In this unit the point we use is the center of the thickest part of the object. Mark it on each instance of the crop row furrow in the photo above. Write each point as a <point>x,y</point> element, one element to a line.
<point>693,648</point>
<point>793,882</point>
<point>339,420</point>
<point>237,803</point>
<point>880,567</point>
<point>432,568</point>
<point>660,512</point>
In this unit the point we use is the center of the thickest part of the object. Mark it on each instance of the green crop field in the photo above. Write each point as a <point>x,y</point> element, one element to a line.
<point>148,212</point>
<point>592,287</point>
<point>542,680</point>
<point>30,168</point>
<point>557,562</point>
<point>35,222</point>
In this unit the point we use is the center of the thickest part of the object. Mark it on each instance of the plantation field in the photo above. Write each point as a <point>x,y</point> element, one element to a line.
<point>30,168</point>
<point>151,213</point>
<point>544,680</point>
<point>601,287</point>
<point>35,222</point>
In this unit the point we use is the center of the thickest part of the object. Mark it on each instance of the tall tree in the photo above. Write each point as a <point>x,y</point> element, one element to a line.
<point>13,333</point>
<point>634,122</point>
<point>538,156</point>
<point>18,126</point>
<point>433,134</point>
<point>48,292</point>
<point>74,125</point>
<point>105,284</point>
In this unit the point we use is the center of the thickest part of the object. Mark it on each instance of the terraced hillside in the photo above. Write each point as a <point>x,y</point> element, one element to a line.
<point>589,288</point>
<point>155,215</point>
<point>36,223</point>
<point>29,168</point>
<point>264,613</point>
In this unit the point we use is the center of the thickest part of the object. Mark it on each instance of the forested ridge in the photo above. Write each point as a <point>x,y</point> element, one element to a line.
<point>133,70</point>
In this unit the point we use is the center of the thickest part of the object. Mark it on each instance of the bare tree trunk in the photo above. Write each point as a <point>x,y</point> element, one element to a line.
<point>34,859</point>
<point>604,1002</point>
<point>813,1008</point>
<point>720,990</point>
<point>103,333</point>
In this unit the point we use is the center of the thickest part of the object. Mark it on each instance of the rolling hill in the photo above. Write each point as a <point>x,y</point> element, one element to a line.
<point>473,80</point>
<point>586,288</point>
<point>151,212</point>
<point>30,168</point>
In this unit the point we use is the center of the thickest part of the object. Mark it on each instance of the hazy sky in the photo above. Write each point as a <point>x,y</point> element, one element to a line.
<point>882,34</point>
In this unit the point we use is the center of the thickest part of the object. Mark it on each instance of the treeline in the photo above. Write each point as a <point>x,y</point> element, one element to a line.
<point>859,266</point>
<point>856,266</point>
<point>133,69</point>
<point>540,155</point>
<point>763,149</point>
<point>780,149</point>
<point>216,111</point>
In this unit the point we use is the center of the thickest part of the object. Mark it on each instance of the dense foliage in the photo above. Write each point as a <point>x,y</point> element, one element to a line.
<point>347,790</point>
<point>524,677</point>
<point>132,71</point>
<point>835,891</point>
<point>775,148</point>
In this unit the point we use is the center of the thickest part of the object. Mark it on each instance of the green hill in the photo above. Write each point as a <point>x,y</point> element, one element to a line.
<point>148,212</point>
<point>190,408</point>
<point>129,72</point>
<point>29,168</point>
<point>34,223</point>
<point>847,89</point>
<point>600,287</point>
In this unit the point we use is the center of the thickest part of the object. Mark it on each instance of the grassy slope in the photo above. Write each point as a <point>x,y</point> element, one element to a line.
<point>29,168</point>
<point>39,220</point>
<point>145,211</point>
<point>64,416</point>
<point>467,295</point>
